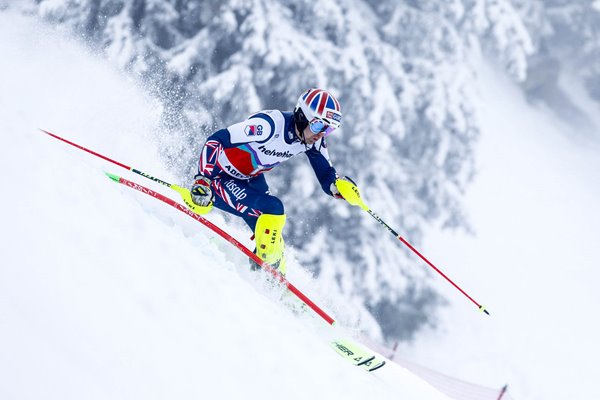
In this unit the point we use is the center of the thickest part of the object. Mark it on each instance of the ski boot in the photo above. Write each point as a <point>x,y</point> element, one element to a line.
<point>269,241</point>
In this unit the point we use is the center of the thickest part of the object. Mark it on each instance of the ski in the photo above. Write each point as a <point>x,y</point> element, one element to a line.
<point>374,364</point>
<point>357,355</point>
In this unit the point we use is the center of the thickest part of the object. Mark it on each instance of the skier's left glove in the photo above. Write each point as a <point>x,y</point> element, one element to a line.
<point>201,192</point>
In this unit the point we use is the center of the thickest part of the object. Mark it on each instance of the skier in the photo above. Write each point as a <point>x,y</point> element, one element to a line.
<point>233,161</point>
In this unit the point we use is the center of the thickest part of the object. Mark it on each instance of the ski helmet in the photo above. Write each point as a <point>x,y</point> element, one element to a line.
<point>318,105</point>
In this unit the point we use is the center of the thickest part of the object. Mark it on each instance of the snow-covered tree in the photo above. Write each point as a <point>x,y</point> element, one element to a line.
<point>566,39</point>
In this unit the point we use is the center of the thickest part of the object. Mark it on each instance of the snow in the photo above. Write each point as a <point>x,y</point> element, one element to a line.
<point>105,293</point>
<point>533,260</point>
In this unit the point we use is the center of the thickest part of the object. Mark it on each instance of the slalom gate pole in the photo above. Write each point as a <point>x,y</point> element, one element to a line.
<point>195,215</point>
<point>227,237</point>
<point>350,192</point>
<point>183,192</point>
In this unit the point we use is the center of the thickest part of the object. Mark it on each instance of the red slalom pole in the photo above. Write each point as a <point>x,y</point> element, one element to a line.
<point>230,239</point>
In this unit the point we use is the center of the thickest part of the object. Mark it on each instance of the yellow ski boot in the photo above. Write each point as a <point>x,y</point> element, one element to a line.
<point>269,240</point>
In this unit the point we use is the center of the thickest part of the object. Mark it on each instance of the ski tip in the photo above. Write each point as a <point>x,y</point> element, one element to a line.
<point>483,310</point>
<point>114,177</point>
<point>376,367</point>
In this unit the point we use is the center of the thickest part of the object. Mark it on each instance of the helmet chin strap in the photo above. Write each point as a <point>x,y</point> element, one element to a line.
<point>303,141</point>
<point>301,136</point>
<point>300,132</point>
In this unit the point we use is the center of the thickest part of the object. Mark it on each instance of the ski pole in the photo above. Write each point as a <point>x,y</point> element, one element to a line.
<point>350,192</point>
<point>183,192</point>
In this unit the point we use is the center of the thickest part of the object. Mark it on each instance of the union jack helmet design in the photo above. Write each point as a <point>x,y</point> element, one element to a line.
<point>319,103</point>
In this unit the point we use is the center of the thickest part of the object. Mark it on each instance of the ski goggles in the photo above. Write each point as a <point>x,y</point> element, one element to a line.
<point>317,126</point>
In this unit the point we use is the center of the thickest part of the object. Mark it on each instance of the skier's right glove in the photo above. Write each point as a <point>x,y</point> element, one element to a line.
<point>201,192</point>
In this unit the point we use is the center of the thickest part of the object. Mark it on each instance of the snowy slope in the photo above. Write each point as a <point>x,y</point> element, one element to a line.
<point>105,293</point>
<point>533,260</point>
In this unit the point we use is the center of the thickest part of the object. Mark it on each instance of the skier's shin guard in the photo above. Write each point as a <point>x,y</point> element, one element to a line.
<point>269,240</point>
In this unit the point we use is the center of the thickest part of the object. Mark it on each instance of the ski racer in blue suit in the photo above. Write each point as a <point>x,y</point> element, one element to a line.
<point>233,161</point>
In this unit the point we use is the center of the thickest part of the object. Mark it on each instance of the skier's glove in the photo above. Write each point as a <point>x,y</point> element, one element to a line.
<point>201,192</point>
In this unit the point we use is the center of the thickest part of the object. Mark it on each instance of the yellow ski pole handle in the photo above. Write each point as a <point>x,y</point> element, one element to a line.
<point>186,196</point>
<point>350,193</point>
